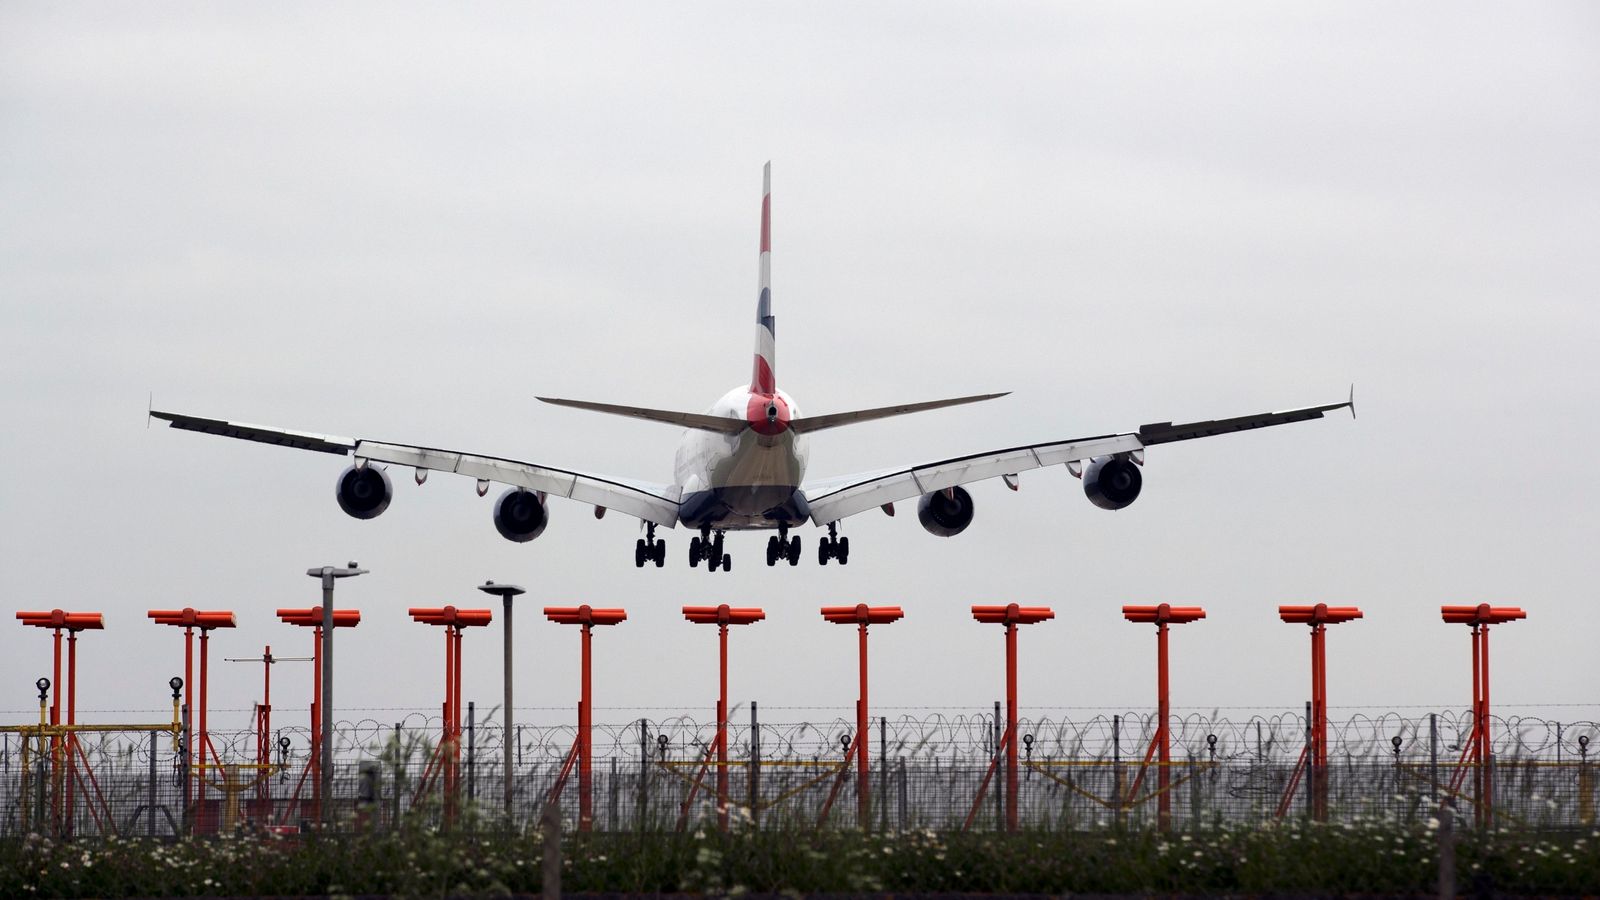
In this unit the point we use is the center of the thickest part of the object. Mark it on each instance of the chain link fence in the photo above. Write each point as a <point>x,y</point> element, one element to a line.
<point>932,771</point>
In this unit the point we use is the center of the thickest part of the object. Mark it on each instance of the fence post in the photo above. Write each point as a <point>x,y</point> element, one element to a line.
<point>1116,768</point>
<point>999,775</point>
<point>472,751</point>
<point>612,794</point>
<point>399,778</point>
<point>1433,758</point>
<point>883,773</point>
<point>1311,768</point>
<point>755,767</point>
<point>150,800</point>
<point>550,828</point>
<point>903,797</point>
<point>1447,851</point>
<point>188,788</point>
<point>644,774</point>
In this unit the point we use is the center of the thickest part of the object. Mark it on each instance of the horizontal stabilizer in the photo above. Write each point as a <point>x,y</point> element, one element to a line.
<point>669,417</point>
<point>809,424</point>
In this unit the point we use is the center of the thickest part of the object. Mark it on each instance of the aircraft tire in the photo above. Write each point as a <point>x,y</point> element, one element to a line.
<point>843,551</point>
<point>727,563</point>
<point>638,553</point>
<point>661,553</point>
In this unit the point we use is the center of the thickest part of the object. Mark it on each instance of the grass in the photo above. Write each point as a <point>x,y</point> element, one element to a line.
<point>1360,857</point>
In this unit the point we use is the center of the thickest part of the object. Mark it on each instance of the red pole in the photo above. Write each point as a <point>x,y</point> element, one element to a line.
<point>1486,756</point>
<point>1012,780</point>
<point>72,719</point>
<point>449,724</point>
<point>721,616</point>
<point>188,691</point>
<point>200,745</point>
<point>1319,760</point>
<point>55,701</point>
<point>1316,752</point>
<point>722,728</point>
<point>1163,710</point>
<point>456,706</point>
<point>585,784</point>
<point>863,761</point>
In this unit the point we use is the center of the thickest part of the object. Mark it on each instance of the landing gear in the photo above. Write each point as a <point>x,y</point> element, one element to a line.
<point>832,547</point>
<point>648,549</point>
<point>709,548</point>
<point>781,546</point>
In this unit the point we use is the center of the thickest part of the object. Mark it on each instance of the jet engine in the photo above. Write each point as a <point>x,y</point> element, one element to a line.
<point>520,515</point>
<point>1112,482</point>
<point>363,491</point>
<point>945,515</point>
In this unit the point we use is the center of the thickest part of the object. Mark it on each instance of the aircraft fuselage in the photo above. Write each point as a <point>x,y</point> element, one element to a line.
<point>749,480</point>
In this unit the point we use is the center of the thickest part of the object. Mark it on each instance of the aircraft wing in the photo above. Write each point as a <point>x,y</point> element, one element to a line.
<point>836,498</point>
<point>650,502</point>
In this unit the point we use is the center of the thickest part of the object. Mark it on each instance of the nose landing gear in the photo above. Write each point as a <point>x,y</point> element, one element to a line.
<point>833,547</point>
<point>648,549</point>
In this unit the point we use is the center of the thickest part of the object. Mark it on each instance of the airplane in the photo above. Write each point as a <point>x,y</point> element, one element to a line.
<point>741,465</point>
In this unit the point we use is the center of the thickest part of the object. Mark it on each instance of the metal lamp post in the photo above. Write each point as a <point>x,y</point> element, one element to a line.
<point>327,574</point>
<point>506,592</point>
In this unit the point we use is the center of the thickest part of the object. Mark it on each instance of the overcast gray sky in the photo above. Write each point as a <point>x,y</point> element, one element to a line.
<point>403,222</point>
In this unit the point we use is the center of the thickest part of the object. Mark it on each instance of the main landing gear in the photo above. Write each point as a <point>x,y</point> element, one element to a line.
<point>648,549</point>
<point>832,547</point>
<point>781,546</point>
<point>709,549</point>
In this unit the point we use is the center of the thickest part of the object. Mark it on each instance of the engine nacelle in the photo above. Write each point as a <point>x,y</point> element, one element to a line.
<point>1112,482</point>
<point>520,515</point>
<point>363,491</point>
<point>943,515</point>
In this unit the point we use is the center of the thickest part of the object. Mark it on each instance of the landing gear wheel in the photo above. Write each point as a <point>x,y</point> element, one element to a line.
<point>793,551</point>
<point>843,551</point>
<point>661,553</point>
<point>822,552</point>
<point>638,553</point>
<point>772,551</point>
<point>694,552</point>
<point>727,563</point>
<point>713,562</point>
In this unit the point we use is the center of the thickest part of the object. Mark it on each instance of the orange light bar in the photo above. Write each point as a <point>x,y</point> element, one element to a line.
<point>1482,614</point>
<point>1321,613</point>
<point>862,614</point>
<point>311,617</point>
<point>1011,613</point>
<point>56,618</point>
<point>584,615</point>
<point>449,615</point>
<point>189,617</point>
<point>724,614</point>
<point>1176,615</point>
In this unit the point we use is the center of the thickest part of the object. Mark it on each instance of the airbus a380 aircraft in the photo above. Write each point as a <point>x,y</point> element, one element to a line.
<point>741,465</point>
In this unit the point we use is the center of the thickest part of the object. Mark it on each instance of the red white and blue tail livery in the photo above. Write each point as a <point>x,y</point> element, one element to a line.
<point>741,465</point>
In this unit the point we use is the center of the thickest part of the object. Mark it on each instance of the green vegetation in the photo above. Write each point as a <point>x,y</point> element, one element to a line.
<point>1360,857</point>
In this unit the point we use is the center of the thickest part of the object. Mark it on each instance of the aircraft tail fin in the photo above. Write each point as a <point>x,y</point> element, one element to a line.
<point>763,374</point>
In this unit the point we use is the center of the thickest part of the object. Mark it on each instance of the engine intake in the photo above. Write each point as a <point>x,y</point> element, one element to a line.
<point>520,515</point>
<point>945,515</point>
<point>363,491</point>
<point>1112,482</point>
